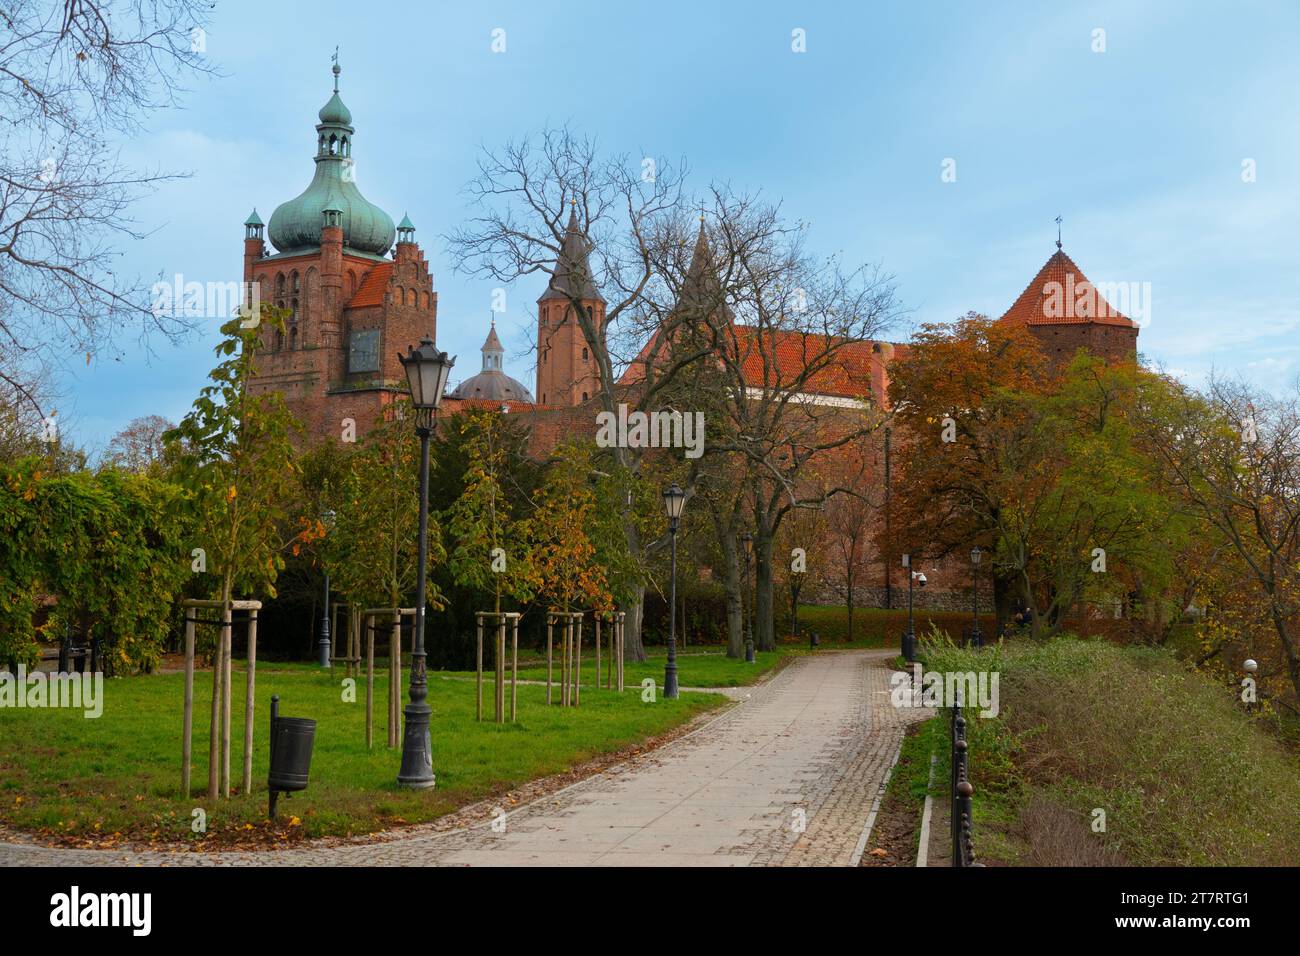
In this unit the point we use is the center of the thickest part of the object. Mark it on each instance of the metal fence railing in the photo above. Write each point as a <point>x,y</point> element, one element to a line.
<point>961,791</point>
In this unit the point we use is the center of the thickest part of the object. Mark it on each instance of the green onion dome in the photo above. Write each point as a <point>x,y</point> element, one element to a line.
<point>296,225</point>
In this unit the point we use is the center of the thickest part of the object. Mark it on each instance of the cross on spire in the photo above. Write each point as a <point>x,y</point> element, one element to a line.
<point>336,70</point>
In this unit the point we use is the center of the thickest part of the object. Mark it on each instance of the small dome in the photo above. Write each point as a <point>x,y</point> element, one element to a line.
<point>335,113</point>
<point>494,386</point>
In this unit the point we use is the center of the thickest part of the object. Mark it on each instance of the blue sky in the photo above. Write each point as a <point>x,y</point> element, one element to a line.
<point>1139,148</point>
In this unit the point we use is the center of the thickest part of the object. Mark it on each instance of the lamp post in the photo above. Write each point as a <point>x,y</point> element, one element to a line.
<point>976,638</point>
<point>747,541</point>
<point>909,638</point>
<point>427,370</point>
<point>323,645</point>
<point>674,500</point>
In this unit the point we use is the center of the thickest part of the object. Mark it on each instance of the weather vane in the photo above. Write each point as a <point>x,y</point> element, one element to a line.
<point>335,60</point>
<point>1058,232</point>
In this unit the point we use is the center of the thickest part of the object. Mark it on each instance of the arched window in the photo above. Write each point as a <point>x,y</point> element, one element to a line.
<point>279,340</point>
<point>584,355</point>
<point>334,145</point>
<point>279,284</point>
<point>293,338</point>
<point>584,396</point>
<point>297,285</point>
<point>293,310</point>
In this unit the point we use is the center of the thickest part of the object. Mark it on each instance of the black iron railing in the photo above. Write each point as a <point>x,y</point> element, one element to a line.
<point>963,849</point>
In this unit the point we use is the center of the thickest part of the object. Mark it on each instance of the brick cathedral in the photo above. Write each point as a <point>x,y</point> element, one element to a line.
<point>358,291</point>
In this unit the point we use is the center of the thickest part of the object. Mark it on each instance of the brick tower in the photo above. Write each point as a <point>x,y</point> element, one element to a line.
<point>1066,312</point>
<point>352,309</point>
<point>566,371</point>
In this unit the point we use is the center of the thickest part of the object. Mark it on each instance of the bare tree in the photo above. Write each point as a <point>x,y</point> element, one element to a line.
<point>139,445</point>
<point>532,194</point>
<point>72,76</point>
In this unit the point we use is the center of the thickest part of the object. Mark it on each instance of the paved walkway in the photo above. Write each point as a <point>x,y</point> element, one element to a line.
<point>790,776</point>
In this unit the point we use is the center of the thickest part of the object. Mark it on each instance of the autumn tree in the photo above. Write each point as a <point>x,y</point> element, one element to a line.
<point>139,445</point>
<point>1233,456</point>
<point>372,545</point>
<point>235,459</point>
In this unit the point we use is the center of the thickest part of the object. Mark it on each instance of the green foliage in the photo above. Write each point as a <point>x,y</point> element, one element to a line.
<point>235,459</point>
<point>1184,775</point>
<point>372,547</point>
<point>106,545</point>
<point>486,517</point>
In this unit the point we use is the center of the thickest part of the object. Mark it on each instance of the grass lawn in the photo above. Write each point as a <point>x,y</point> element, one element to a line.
<point>61,773</point>
<point>695,668</point>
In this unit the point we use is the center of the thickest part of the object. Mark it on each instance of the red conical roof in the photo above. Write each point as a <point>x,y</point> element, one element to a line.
<point>1062,295</point>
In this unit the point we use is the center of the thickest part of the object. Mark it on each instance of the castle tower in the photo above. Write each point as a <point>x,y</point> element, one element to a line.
<point>1066,312</point>
<point>351,308</point>
<point>566,370</point>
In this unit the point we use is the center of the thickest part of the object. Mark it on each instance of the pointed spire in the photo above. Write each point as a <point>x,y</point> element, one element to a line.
<point>700,288</point>
<point>493,351</point>
<point>573,266</point>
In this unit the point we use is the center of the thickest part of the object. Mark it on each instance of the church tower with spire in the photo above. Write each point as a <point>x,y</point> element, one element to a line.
<point>566,370</point>
<point>357,291</point>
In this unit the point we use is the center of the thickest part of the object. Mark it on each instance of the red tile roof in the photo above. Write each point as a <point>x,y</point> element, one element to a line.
<point>854,370</point>
<point>372,288</point>
<point>1062,295</point>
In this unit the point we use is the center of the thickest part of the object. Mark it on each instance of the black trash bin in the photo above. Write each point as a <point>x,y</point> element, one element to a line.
<point>291,744</point>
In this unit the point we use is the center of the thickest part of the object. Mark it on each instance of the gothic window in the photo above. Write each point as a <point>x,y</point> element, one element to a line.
<point>279,284</point>
<point>584,355</point>
<point>279,340</point>
<point>293,338</point>
<point>293,310</point>
<point>426,300</point>
<point>584,396</point>
<point>297,286</point>
<point>334,145</point>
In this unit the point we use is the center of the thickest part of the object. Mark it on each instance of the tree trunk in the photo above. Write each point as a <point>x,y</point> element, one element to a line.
<point>732,584</point>
<point>764,622</point>
<point>633,649</point>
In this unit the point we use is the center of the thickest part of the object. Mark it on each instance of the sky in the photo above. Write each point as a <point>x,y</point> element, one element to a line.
<point>1142,138</point>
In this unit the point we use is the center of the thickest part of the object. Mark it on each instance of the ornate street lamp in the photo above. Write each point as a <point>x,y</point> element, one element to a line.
<point>976,638</point>
<point>674,501</point>
<point>323,645</point>
<point>747,541</point>
<point>427,370</point>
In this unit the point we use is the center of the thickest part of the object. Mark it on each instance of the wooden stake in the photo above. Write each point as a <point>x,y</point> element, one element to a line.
<point>478,668</point>
<point>577,670</point>
<point>548,659</point>
<point>214,728</point>
<point>186,747</point>
<point>368,623</point>
<point>501,669</point>
<point>227,629</point>
<point>514,668</point>
<point>247,785</point>
<point>396,645</point>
